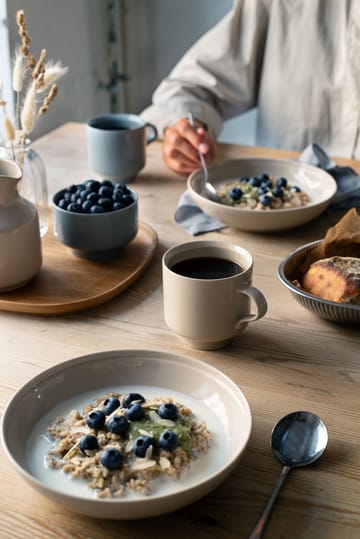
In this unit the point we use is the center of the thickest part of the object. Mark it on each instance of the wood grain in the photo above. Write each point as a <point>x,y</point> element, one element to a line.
<point>290,360</point>
<point>67,283</point>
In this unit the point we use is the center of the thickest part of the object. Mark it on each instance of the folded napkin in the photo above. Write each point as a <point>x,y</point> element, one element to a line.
<point>192,219</point>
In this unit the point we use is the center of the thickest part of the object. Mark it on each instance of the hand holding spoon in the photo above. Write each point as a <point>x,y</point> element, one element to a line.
<point>298,439</point>
<point>210,190</point>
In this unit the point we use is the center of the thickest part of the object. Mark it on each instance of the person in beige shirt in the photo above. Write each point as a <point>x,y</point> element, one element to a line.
<point>298,61</point>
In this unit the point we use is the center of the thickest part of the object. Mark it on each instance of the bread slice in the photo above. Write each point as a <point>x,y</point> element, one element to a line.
<point>335,279</point>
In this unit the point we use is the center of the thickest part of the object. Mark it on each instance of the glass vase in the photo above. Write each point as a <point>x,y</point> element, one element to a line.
<point>33,185</point>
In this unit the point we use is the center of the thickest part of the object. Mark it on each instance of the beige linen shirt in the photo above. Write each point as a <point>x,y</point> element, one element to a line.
<point>298,61</point>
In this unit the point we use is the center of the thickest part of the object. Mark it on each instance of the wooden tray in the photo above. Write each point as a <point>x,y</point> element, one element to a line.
<point>67,283</point>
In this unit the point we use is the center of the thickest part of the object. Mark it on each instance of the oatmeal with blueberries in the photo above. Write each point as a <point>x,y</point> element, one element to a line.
<point>262,192</point>
<point>122,442</point>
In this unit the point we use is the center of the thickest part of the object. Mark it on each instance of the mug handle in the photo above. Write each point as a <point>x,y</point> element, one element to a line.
<point>153,135</point>
<point>259,300</point>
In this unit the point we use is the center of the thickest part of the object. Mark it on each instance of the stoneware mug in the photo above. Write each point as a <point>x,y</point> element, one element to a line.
<point>208,292</point>
<point>116,145</point>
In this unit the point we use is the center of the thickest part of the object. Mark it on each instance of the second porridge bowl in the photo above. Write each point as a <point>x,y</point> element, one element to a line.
<point>318,185</point>
<point>209,394</point>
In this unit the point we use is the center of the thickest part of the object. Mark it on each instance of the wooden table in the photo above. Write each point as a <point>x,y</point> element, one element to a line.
<point>290,360</point>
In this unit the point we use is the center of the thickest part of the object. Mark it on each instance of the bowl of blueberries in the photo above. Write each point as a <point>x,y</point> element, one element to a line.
<point>96,218</point>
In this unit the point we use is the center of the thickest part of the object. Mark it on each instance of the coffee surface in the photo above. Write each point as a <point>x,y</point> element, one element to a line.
<point>207,268</point>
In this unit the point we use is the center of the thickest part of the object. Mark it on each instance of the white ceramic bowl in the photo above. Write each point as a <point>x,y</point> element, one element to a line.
<point>317,183</point>
<point>328,310</point>
<point>208,392</point>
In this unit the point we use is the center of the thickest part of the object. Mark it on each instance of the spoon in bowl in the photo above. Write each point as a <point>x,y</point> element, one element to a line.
<point>210,190</point>
<point>298,439</point>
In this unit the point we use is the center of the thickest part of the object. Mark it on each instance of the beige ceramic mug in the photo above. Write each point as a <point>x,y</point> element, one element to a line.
<point>208,292</point>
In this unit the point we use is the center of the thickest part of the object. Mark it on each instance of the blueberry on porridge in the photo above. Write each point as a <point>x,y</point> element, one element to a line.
<point>120,442</point>
<point>262,193</point>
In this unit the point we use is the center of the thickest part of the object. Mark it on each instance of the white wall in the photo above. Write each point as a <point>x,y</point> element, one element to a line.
<point>66,29</point>
<point>156,33</point>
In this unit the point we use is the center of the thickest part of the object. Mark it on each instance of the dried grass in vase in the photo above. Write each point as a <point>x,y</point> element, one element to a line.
<point>34,82</point>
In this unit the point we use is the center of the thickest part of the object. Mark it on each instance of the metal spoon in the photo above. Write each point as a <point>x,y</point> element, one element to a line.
<point>210,190</point>
<point>297,439</point>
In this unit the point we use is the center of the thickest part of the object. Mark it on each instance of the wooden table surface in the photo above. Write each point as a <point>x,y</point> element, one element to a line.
<point>290,360</point>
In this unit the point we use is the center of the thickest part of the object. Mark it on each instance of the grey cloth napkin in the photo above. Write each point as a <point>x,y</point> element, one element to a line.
<point>192,219</point>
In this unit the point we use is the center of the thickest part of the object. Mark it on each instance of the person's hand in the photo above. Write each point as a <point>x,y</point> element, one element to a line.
<point>182,144</point>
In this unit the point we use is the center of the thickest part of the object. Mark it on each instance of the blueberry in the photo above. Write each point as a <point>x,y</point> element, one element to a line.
<point>135,411</point>
<point>118,206</point>
<point>255,182</point>
<point>86,206</point>
<point>107,183</point>
<point>75,207</point>
<point>117,195</point>
<point>141,445</point>
<point>266,183</point>
<point>96,419</point>
<point>244,179</point>
<point>63,203</point>
<point>235,193</point>
<point>92,185</point>
<point>118,424</point>
<point>168,440</point>
<point>111,458</point>
<point>80,188</point>
<point>281,182</point>
<point>263,189</point>
<point>84,194</point>
<point>110,404</point>
<point>296,188</point>
<point>131,397</point>
<point>106,203</point>
<point>168,410</point>
<point>127,200</point>
<point>93,197</point>
<point>278,192</point>
<point>106,191</point>
<point>89,445</point>
<point>96,208</point>
<point>74,197</point>
<point>67,196</point>
<point>263,177</point>
<point>122,187</point>
<point>265,200</point>
<point>71,189</point>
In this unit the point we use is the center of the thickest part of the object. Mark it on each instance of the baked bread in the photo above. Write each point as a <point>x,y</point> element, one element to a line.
<point>334,279</point>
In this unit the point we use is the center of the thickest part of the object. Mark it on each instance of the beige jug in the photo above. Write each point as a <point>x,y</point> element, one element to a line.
<point>20,243</point>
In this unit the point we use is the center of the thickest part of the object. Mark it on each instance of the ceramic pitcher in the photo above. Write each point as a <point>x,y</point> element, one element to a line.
<point>20,243</point>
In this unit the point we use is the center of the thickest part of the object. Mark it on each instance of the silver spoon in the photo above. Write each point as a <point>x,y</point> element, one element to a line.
<point>297,439</point>
<point>210,190</point>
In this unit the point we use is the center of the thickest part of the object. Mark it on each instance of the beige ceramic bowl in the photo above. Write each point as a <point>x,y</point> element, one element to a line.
<point>328,310</point>
<point>317,183</point>
<point>208,391</point>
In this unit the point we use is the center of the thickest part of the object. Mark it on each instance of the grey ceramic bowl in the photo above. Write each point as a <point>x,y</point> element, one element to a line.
<point>95,236</point>
<point>328,310</point>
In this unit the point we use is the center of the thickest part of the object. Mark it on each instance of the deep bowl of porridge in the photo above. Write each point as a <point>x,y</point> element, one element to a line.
<point>126,434</point>
<point>264,195</point>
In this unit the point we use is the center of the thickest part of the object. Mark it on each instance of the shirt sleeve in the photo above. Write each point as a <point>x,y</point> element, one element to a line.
<point>218,77</point>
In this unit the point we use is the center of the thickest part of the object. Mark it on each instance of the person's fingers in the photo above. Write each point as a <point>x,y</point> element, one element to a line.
<point>182,144</point>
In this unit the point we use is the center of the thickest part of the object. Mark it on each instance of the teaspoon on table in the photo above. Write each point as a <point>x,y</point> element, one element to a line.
<point>298,439</point>
<point>210,190</point>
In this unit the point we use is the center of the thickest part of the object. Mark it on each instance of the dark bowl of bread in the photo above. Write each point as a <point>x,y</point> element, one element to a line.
<point>329,287</point>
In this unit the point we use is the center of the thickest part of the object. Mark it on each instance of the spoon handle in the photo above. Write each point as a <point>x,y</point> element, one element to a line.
<point>260,525</point>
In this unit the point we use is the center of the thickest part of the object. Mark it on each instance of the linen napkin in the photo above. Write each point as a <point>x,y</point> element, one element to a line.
<point>192,219</point>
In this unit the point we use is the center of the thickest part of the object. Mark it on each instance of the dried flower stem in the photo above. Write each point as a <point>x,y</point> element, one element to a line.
<point>28,114</point>
<point>40,65</point>
<point>48,99</point>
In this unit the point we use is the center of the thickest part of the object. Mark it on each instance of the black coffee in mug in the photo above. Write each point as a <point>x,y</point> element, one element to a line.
<point>207,268</point>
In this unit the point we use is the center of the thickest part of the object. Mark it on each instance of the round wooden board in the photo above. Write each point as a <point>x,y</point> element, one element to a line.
<point>67,283</point>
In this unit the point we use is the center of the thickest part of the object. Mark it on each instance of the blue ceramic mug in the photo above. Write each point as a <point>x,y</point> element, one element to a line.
<point>116,145</point>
